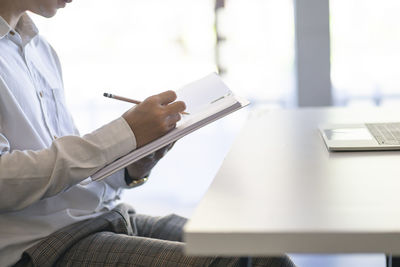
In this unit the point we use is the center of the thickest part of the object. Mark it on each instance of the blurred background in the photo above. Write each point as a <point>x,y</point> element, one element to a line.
<point>277,53</point>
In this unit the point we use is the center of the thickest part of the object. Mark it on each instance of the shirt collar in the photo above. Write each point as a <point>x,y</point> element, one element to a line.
<point>4,28</point>
<point>25,27</point>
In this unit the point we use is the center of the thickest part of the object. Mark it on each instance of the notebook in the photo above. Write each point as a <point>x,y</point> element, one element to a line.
<point>207,100</point>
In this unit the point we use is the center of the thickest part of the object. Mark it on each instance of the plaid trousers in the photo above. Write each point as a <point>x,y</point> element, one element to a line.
<point>123,238</point>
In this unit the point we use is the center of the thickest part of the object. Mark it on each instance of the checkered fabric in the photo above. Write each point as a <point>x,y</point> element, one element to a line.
<point>123,238</point>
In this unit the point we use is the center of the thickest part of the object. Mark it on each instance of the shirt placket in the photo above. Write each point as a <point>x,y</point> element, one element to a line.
<point>38,87</point>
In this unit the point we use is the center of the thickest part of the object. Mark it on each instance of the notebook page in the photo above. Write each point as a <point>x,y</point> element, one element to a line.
<point>199,94</point>
<point>207,110</point>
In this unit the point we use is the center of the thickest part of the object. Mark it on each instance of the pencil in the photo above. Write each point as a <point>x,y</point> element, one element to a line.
<point>130,100</point>
<point>122,98</point>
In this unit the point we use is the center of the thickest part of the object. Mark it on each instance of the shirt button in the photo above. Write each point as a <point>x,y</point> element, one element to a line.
<point>12,33</point>
<point>55,137</point>
<point>41,94</point>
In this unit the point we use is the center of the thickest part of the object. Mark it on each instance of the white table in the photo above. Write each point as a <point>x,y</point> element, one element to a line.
<point>280,191</point>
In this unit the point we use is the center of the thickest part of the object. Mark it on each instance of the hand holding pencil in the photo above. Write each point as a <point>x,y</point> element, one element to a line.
<point>129,100</point>
<point>153,117</point>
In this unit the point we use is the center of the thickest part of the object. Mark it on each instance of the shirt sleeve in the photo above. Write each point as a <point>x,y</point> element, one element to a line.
<point>116,180</point>
<point>28,176</point>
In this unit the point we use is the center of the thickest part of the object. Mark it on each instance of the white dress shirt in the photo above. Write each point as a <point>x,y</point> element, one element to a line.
<point>43,159</point>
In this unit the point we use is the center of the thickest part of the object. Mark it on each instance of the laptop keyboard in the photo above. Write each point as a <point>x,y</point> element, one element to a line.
<point>385,133</point>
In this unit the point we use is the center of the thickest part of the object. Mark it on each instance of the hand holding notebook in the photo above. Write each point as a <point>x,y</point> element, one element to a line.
<point>207,100</point>
<point>154,117</point>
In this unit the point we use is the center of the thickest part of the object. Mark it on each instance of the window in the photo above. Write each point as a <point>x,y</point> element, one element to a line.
<point>257,50</point>
<point>365,38</point>
<point>138,48</point>
<point>131,48</point>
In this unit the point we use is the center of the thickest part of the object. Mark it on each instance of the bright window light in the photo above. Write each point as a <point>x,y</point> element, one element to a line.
<point>131,48</point>
<point>365,50</point>
<point>142,47</point>
<point>258,53</point>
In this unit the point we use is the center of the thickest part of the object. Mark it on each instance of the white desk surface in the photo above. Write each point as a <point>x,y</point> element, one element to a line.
<point>279,190</point>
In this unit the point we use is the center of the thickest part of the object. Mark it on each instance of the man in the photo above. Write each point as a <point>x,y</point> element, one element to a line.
<point>48,214</point>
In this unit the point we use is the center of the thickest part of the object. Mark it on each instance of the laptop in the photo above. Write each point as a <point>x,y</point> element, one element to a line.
<point>361,137</point>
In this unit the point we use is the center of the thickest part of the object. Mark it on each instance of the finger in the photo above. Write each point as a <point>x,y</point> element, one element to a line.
<point>174,118</point>
<point>161,152</point>
<point>171,126</point>
<point>151,156</point>
<point>167,146</point>
<point>170,146</point>
<point>176,107</point>
<point>167,97</point>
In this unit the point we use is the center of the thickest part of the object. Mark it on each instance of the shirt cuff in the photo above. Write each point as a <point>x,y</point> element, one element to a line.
<point>124,142</point>
<point>117,139</point>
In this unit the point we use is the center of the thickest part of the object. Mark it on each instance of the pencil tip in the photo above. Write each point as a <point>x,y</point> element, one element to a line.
<point>105,94</point>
